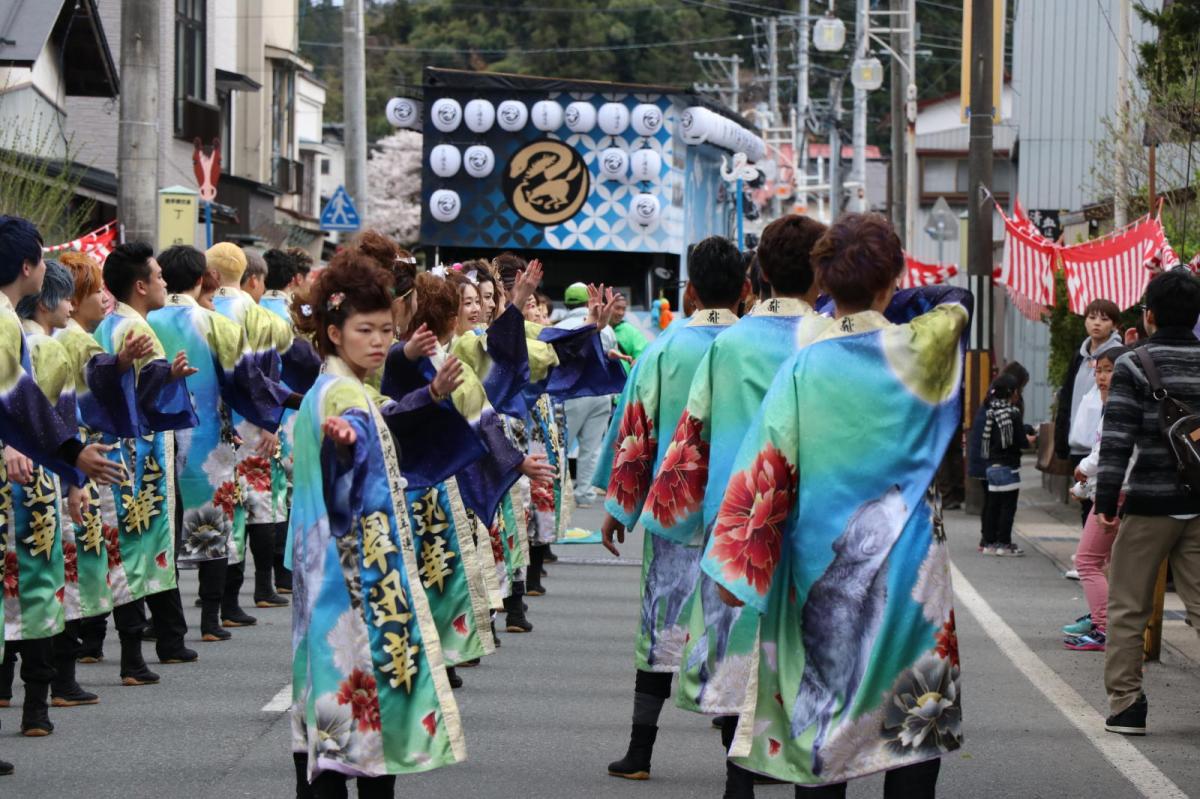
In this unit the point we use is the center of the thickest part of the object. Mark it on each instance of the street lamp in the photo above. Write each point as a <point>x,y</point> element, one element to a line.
<point>829,33</point>
<point>867,73</point>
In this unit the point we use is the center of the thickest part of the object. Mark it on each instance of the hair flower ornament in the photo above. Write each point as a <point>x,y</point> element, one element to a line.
<point>440,271</point>
<point>335,301</point>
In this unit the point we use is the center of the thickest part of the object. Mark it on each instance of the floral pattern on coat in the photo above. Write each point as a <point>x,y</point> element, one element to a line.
<point>682,475</point>
<point>633,462</point>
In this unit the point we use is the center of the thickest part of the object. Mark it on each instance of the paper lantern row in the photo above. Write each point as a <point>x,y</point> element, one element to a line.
<point>479,161</point>
<point>698,125</point>
<point>643,164</point>
<point>643,213</point>
<point>479,115</point>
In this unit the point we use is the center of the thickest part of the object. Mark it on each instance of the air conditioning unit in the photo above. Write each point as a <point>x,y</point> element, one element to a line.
<point>197,120</point>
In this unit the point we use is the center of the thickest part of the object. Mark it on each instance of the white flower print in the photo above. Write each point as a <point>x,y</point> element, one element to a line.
<point>348,640</point>
<point>933,589</point>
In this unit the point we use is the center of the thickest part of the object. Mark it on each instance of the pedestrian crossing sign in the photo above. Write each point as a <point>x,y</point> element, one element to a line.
<point>339,212</point>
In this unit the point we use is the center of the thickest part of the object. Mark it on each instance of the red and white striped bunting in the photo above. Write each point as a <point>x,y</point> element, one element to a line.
<point>1027,268</point>
<point>1112,267</point>
<point>98,243</point>
<point>917,273</point>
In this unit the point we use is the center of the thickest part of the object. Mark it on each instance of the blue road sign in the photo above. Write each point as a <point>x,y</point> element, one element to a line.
<point>339,213</point>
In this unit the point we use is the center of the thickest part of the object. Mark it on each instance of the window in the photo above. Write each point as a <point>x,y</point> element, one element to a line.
<point>283,98</point>
<point>324,166</point>
<point>189,56</point>
<point>225,102</point>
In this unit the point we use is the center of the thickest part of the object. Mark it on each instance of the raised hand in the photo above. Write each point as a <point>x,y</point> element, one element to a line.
<point>180,368</point>
<point>448,378</point>
<point>527,283</point>
<point>423,343</point>
<point>339,431</point>
<point>135,348</point>
<point>93,461</point>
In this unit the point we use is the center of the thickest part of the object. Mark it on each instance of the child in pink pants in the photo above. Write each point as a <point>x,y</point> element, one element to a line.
<point>1091,557</point>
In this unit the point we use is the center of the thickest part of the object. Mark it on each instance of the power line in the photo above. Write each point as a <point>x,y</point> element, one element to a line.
<point>503,51</point>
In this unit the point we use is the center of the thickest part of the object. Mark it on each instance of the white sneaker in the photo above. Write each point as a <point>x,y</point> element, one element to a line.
<point>1071,574</point>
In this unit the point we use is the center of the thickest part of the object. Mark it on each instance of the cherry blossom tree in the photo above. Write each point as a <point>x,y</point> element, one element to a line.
<point>394,186</point>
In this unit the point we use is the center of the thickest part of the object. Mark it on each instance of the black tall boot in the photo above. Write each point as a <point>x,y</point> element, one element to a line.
<point>636,763</point>
<point>212,591</point>
<point>533,574</point>
<point>35,714</point>
<point>64,690</point>
<point>210,622</point>
<point>515,610</point>
<point>739,783</point>
<point>232,614</point>
<point>8,670</point>
<point>134,670</point>
<point>92,630</point>
<point>6,768</point>
<point>262,548</point>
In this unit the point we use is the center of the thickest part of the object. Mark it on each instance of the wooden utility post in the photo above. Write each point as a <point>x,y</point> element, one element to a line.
<point>138,121</point>
<point>354,102</point>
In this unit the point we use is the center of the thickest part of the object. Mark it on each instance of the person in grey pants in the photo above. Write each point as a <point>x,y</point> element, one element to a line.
<point>587,417</point>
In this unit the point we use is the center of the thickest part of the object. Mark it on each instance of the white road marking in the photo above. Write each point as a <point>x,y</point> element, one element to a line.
<point>281,702</point>
<point>1117,750</point>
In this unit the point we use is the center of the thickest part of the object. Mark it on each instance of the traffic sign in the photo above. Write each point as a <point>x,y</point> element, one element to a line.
<point>943,222</point>
<point>339,213</point>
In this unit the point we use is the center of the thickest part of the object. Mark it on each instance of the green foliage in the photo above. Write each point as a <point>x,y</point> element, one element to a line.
<point>1066,331</point>
<point>38,183</point>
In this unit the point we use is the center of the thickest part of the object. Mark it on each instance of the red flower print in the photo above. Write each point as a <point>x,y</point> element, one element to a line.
<point>773,747</point>
<point>161,559</point>
<point>358,691</point>
<point>460,624</point>
<point>748,533</point>
<point>634,459</point>
<point>430,722</point>
<point>678,489</point>
<point>542,495</point>
<point>497,544</point>
<point>112,544</point>
<point>257,473</point>
<point>226,497</point>
<point>60,594</point>
<point>10,573</point>
<point>71,561</point>
<point>947,641</point>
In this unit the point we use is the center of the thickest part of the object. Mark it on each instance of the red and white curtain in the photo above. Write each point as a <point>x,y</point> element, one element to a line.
<point>917,273</point>
<point>1027,268</point>
<point>98,243</point>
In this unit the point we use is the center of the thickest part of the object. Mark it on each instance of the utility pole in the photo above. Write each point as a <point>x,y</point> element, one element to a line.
<point>910,131</point>
<point>1120,196</point>
<point>720,69</point>
<point>835,149</point>
<point>979,165</point>
<point>773,70</point>
<point>354,103</point>
<point>802,101</point>
<point>898,82</point>
<point>137,129</point>
<point>858,170</point>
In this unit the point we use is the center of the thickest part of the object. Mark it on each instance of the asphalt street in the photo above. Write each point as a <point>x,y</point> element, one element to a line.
<point>549,710</point>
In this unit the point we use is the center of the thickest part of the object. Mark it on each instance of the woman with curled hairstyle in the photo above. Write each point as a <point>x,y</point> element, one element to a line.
<point>351,538</point>
<point>848,441</point>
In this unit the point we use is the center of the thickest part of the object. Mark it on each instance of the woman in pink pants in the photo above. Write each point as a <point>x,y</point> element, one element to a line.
<point>1091,557</point>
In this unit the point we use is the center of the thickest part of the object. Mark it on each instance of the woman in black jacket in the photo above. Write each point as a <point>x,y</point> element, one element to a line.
<point>1001,440</point>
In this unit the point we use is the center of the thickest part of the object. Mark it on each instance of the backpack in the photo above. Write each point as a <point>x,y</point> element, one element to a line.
<point>1180,425</point>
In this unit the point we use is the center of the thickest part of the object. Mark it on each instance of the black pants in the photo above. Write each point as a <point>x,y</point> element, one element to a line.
<point>331,785</point>
<point>212,579</point>
<point>92,630</point>
<point>918,781</point>
<point>166,613</point>
<point>283,575</point>
<point>999,512</point>
<point>261,541</point>
<point>37,659</point>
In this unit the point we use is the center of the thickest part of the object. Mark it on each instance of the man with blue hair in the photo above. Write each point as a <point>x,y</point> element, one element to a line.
<point>30,427</point>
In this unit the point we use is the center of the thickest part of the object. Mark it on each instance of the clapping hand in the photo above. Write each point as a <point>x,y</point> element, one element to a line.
<point>135,348</point>
<point>448,378</point>
<point>527,283</point>
<point>180,368</point>
<point>422,343</point>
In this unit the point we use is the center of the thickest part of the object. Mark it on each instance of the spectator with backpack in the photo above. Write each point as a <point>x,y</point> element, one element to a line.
<point>1156,383</point>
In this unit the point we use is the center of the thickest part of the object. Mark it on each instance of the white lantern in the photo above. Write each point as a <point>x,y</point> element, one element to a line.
<point>613,163</point>
<point>829,33</point>
<point>614,118</point>
<point>644,211</point>
<point>580,117</point>
<point>445,205</point>
<point>404,112</point>
<point>547,115</point>
<point>647,119</point>
<point>480,115</point>
<point>646,164</point>
<point>446,114</point>
<point>479,161</point>
<point>511,115</point>
<point>444,160</point>
<point>694,124</point>
<point>867,73</point>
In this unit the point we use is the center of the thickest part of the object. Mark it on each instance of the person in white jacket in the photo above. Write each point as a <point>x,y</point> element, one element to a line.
<point>1095,544</point>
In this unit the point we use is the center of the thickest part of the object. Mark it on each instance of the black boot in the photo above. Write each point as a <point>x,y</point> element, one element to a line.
<point>6,768</point>
<point>533,574</point>
<point>35,714</point>
<point>64,690</point>
<point>739,783</point>
<point>170,627</point>
<point>283,575</point>
<point>513,606</point>
<point>636,763</point>
<point>92,630</point>
<point>8,669</point>
<point>549,556</point>
<point>262,547</point>
<point>495,638</point>
<point>210,623</point>
<point>452,676</point>
<point>133,667</point>
<point>232,614</point>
